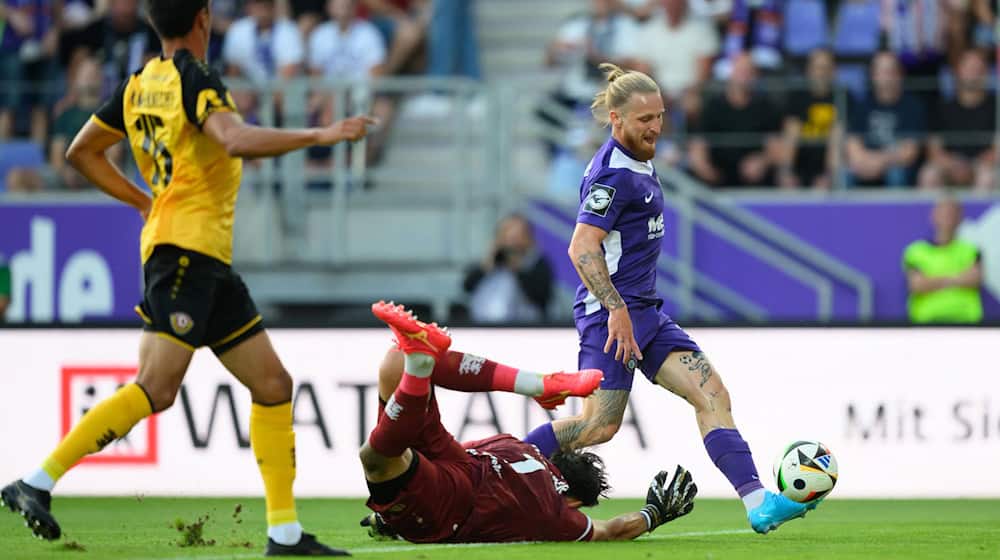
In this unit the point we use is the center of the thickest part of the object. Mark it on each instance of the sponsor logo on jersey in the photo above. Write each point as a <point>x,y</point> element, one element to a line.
<point>655,226</point>
<point>599,199</point>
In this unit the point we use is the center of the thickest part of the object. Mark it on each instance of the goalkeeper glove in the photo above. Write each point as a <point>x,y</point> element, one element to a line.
<point>668,501</point>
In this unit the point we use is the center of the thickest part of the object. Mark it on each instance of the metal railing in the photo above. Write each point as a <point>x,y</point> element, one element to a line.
<point>700,308</point>
<point>697,204</point>
<point>338,185</point>
<point>326,222</point>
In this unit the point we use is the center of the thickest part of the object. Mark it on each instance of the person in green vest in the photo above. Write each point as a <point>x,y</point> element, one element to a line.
<point>944,274</point>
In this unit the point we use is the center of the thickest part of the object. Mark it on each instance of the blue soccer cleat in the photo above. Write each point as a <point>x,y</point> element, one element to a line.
<point>776,510</point>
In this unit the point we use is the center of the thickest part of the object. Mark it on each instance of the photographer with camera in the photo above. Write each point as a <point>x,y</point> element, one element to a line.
<point>513,283</point>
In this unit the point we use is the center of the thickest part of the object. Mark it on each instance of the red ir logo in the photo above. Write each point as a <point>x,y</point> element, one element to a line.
<point>85,386</point>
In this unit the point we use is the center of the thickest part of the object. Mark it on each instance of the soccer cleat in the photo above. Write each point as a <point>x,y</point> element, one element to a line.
<point>33,505</point>
<point>776,510</point>
<point>307,546</point>
<point>560,385</point>
<point>378,529</point>
<point>412,335</point>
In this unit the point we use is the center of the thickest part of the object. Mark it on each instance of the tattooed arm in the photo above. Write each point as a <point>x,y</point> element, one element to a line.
<point>588,257</point>
<point>602,415</point>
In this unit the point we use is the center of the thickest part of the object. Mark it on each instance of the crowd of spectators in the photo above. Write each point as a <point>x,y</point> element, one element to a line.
<point>795,93</point>
<point>60,58</point>
<point>760,93</point>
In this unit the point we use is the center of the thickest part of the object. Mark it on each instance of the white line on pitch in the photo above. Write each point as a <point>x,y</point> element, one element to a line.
<point>415,547</point>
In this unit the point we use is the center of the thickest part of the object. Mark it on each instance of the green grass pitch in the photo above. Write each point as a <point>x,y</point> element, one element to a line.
<point>717,529</point>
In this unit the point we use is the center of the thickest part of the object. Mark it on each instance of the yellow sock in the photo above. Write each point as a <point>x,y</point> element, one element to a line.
<point>111,419</point>
<point>273,443</point>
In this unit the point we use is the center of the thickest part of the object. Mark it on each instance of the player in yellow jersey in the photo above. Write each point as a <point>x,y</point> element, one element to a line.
<point>187,139</point>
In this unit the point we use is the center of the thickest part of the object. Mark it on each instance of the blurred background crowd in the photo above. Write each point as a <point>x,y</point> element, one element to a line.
<point>59,59</point>
<point>761,93</point>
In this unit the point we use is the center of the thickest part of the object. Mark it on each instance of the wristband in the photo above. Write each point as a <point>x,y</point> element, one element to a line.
<point>649,521</point>
<point>652,515</point>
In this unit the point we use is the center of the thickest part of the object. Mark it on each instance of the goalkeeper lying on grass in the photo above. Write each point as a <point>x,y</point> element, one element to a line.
<point>427,487</point>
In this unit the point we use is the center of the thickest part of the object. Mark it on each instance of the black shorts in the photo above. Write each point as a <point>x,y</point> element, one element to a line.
<point>196,300</point>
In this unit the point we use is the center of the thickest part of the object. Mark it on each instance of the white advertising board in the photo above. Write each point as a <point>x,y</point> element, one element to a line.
<point>900,408</point>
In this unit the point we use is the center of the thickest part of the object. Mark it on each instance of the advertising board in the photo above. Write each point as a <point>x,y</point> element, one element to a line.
<point>900,408</point>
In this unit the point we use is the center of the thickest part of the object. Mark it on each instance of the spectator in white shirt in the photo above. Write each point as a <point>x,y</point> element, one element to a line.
<point>678,46</point>
<point>262,47</point>
<point>583,42</point>
<point>348,48</point>
<point>679,49</point>
<point>345,47</point>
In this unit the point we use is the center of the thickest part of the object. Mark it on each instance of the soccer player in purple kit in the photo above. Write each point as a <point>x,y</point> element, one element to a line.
<point>614,248</point>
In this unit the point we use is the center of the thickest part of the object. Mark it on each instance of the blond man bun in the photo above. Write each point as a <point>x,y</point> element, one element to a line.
<point>621,85</point>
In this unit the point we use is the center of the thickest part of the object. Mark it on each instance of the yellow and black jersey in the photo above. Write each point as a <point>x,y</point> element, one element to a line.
<point>161,109</point>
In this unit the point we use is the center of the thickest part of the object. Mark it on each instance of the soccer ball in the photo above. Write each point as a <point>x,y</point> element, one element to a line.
<point>805,471</point>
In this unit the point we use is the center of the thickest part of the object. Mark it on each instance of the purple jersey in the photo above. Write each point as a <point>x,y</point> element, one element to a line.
<point>622,196</point>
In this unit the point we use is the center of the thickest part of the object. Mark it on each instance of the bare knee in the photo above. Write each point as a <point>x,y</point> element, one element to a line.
<point>700,400</point>
<point>272,389</point>
<point>371,461</point>
<point>711,400</point>
<point>161,395</point>
<point>390,371</point>
<point>720,398</point>
<point>379,468</point>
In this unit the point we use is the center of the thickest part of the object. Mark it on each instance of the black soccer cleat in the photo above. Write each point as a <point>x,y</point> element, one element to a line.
<point>33,505</point>
<point>307,546</point>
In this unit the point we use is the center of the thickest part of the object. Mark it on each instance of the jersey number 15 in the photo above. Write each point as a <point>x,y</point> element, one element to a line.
<point>163,163</point>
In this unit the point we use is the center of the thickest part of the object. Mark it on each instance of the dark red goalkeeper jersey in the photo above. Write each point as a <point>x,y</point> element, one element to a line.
<point>519,497</point>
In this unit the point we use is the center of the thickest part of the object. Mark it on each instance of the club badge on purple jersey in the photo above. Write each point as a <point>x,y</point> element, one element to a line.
<point>599,199</point>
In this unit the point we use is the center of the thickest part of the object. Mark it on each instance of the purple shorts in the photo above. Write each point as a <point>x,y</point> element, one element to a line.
<point>657,334</point>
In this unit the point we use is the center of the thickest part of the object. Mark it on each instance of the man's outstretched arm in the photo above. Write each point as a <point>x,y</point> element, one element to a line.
<point>665,502</point>
<point>622,528</point>
<point>248,141</point>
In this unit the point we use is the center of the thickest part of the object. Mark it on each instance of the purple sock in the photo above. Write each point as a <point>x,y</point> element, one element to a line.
<point>732,455</point>
<point>544,438</point>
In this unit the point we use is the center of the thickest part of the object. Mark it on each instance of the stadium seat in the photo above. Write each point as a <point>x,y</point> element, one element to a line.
<point>853,78</point>
<point>857,32</point>
<point>805,26</point>
<point>19,153</point>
